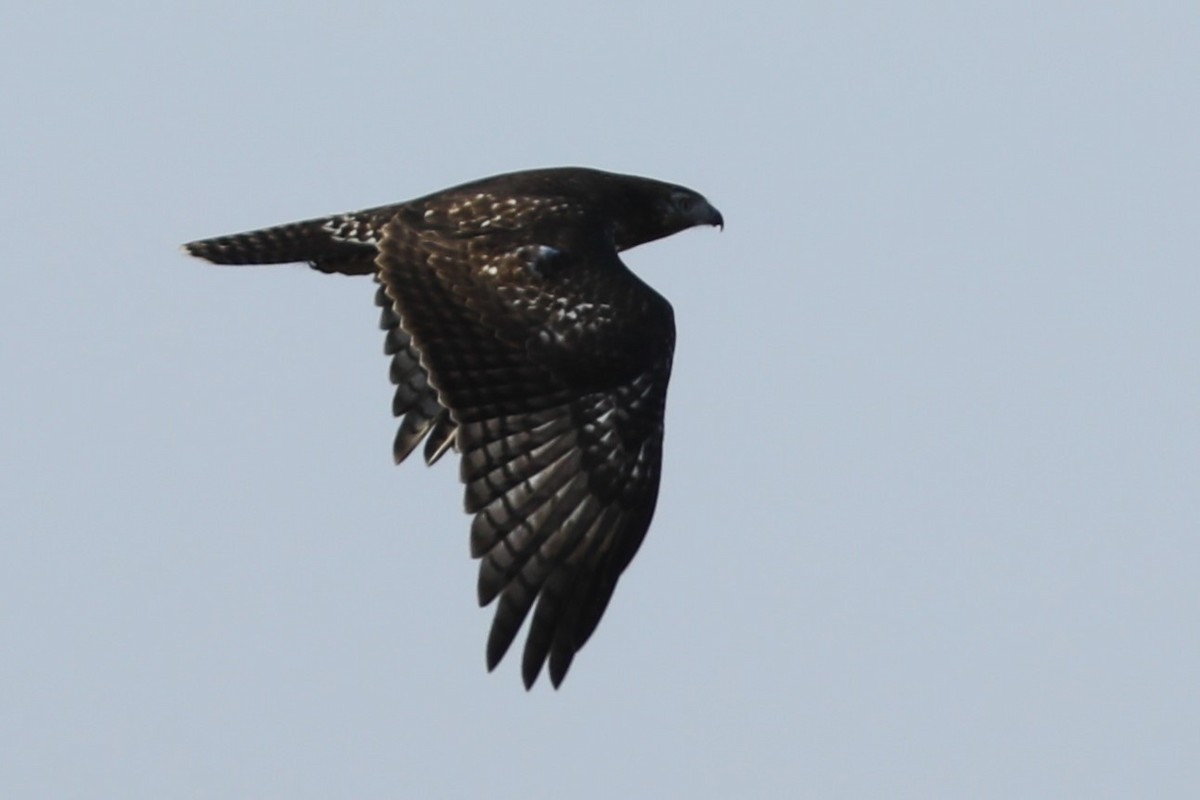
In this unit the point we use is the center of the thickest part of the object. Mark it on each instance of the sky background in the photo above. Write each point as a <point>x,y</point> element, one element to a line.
<point>930,511</point>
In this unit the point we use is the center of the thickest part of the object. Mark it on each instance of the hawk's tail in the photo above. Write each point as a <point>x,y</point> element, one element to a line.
<point>344,244</point>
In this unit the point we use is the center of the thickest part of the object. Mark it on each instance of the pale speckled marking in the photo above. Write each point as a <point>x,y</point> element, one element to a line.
<point>547,336</point>
<point>607,413</point>
<point>351,229</point>
<point>483,211</point>
<point>565,311</point>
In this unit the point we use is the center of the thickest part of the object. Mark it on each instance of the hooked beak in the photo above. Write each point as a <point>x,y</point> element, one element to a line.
<point>710,216</point>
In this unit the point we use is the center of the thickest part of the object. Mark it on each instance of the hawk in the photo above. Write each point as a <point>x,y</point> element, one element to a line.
<point>520,339</point>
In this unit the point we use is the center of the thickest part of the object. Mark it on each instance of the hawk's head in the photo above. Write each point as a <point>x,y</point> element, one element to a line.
<point>645,210</point>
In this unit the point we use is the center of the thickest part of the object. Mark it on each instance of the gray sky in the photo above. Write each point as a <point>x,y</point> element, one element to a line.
<point>928,525</point>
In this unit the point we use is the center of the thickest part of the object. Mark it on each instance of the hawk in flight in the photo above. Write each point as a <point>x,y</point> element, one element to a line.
<point>520,339</point>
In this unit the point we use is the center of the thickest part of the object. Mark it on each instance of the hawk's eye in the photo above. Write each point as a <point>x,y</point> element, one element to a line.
<point>684,203</point>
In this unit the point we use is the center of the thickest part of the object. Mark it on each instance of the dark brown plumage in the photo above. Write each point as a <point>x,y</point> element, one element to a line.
<point>519,338</point>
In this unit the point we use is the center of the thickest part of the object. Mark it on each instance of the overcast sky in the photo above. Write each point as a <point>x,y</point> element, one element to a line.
<point>930,516</point>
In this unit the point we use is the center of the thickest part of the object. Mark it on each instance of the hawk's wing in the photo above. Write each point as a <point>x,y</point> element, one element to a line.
<point>558,403</point>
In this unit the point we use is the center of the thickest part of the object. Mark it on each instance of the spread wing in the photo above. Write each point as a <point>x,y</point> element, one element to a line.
<point>550,364</point>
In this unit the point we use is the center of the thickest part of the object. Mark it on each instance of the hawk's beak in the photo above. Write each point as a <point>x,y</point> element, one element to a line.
<point>710,216</point>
